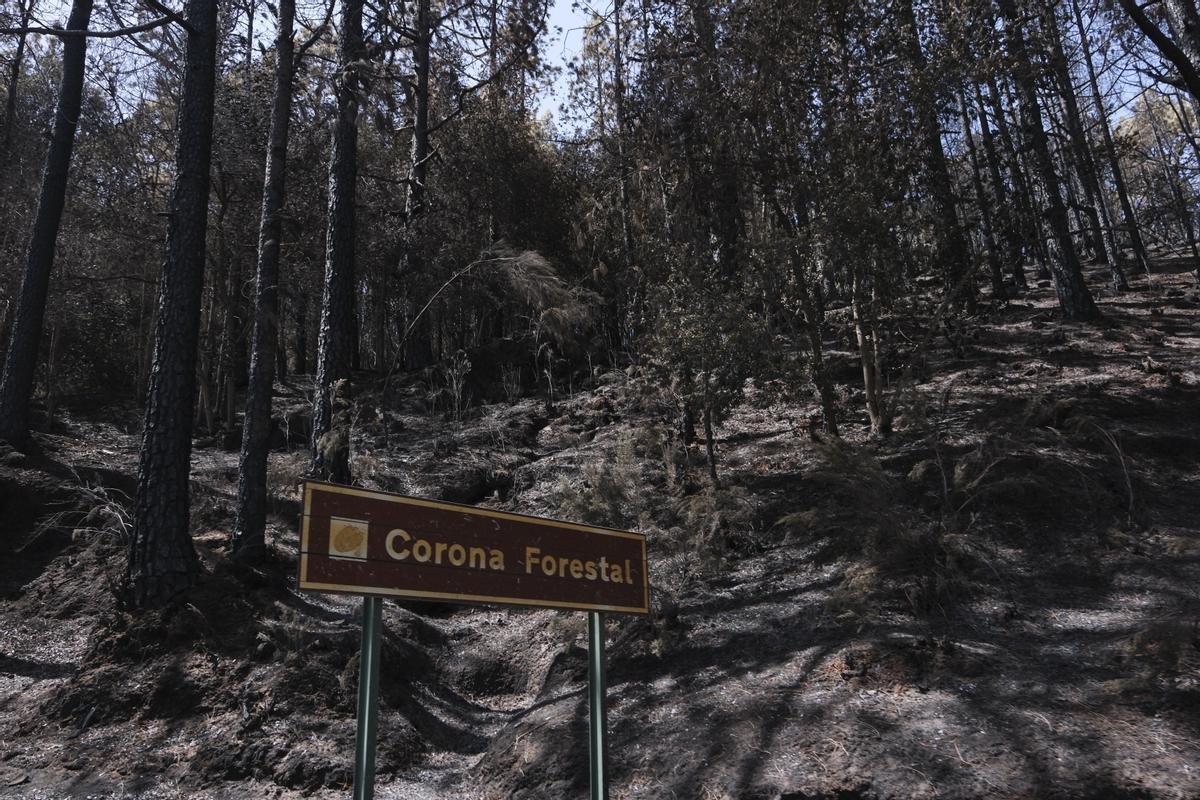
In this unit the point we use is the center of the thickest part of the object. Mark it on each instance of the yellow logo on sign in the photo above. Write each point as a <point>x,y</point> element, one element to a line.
<point>347,538</point>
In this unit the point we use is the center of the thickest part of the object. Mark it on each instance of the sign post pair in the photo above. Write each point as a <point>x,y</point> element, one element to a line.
<point>381,544</point>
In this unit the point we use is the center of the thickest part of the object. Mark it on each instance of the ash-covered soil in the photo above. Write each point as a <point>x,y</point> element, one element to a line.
<point>1000,600</point>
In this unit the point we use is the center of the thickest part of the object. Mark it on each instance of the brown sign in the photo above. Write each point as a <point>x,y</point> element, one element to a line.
<point>365,542</point>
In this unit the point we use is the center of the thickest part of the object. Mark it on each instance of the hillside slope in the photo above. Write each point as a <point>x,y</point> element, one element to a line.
<point>1001,599</point>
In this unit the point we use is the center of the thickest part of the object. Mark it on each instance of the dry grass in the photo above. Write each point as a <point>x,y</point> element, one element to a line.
<point>895,553</point>
<point>600,495</point>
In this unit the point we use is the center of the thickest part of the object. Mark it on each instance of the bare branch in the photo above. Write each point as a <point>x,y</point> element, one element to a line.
<point>63,32</point>
<point>171,15</point>
<point>315,36</point>
<point>501,71</point>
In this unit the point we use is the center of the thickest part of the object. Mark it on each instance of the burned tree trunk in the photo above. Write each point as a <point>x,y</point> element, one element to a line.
<point>419,347</point>
<point>162,561</point>
<point>415,200</point>
<point>717,191</point>
<point>985,213</point>
<point>300,318</point>
<point>810,314</point>
<point>1128,217</point>
<point>26,336</point>
<point>1008,224</point>
<point>1073,296</point>
<point>867,338</point>
<point>1023,193</point>
<point>335,343</point>
<point>710,441</point>
<point>14,79</point>
<point>256,427</point>
<point>1084,162</point>
<point>951,245</point>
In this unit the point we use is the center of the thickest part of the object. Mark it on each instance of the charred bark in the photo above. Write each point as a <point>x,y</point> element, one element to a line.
<point>1074,298</point>
<point>300,317</point>
<point>1084,161</point>
<point>951,244</point>
<point>418,348</point>
<point>162,560</point>
<point>24,342</point>
<point>256,427</point>
<point>1008,226</point>
<point>1018,167</point>
<point>335,345</point>
<point>716,189</point>
<point>14,79</point>
<point>995,267</point>
<point>1142,264</point>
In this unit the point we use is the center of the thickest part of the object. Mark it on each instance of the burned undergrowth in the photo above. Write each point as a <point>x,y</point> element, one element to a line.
<point>997,598</point>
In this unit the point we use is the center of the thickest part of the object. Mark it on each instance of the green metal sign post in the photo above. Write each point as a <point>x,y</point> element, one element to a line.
<point>368,694</point>
<point>598,714</point>
<point>375,544</point>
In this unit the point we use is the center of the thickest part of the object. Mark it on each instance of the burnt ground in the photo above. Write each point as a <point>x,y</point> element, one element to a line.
<point>1000,600</point>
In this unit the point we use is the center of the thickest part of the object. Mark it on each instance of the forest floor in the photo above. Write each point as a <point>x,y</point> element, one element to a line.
<point>1002,599</point>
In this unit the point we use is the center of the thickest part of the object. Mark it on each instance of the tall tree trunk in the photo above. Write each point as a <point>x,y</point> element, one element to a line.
<point>710,441</point>
<point>281,309</point>
<point>212,315</point>
<point>1013,255</point>
<point>335,345</point>
<point>1073,296</point>
<point>717,192</point>
<point>628,291</point>
<point>985,212</point>
<point>1018,166</point>
<point>951,244</point>
<point>24,342</point>
<point>414,202</point>
<point>419,349</point>
<point>1114,164</point>
<point>162,560</point>
<point>622,129</point>
<point>868,351</point>
<point>380,305</point>
<point>810,315</point>
<point>820,374</point>
<point>1081,212</point>
<point>1086,221</point>
<point>1181,117</point>
<point>230,318</point>
<point>14,80</point>
<point>233,359</point>
<point>687,425</point>
<point>1184,21</point>
<point>1084,160</point>
<point>6,320</point>
<point>251,13</point>
<point>300,316</point>
<point>256,426</point>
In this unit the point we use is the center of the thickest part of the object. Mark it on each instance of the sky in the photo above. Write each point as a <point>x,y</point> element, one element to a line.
<point>564,41</point>
<point>561,46</point>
